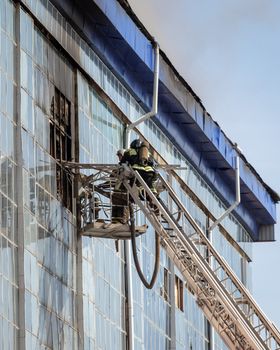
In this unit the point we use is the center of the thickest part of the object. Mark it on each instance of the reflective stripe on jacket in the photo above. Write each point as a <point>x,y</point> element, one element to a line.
<point>146,168</point>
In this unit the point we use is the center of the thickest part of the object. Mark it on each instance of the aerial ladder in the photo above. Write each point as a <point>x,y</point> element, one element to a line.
<point>223,298</point>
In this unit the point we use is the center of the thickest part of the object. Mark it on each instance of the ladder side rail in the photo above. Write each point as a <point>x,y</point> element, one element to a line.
<point>228,270</point>
<point>235,313</point>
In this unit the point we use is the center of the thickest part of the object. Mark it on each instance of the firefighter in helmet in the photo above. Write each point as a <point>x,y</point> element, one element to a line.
<point>139,158</point>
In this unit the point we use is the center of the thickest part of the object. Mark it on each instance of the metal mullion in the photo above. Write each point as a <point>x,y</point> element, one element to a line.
<point>19,224</point>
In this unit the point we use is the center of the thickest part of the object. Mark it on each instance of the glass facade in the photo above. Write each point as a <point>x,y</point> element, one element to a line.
<point>62,117</point>
<point>49,228</point>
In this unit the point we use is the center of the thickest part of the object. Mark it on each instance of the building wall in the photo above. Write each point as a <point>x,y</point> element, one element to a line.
<point>73,288</point>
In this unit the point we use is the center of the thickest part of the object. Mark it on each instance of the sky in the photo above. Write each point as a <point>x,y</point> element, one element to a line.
<point>229,53</point>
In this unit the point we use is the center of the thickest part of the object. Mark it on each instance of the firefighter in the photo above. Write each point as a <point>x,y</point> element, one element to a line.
<point>139,158</point>
<point>131,154</point>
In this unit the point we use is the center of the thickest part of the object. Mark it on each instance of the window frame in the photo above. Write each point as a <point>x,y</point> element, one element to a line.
<point>61,148</point>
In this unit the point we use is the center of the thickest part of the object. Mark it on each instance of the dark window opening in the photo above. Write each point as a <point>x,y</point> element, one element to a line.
<point>179,293</point>
<point>61,146</point>
<point>164,292</point>
<point>207,330</point>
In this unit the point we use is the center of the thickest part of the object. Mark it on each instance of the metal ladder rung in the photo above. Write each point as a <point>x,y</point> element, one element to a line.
<point>241,301</point>
<point>217,268</point>
<point>225,279</point>
<point>172,235</point>
<point>260,326</point>
<point>176,212</point>
<point>192,234</point>
<point>236,290</point>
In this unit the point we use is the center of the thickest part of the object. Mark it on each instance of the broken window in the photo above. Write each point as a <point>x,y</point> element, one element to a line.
<point>179,293</point>
<point>61,145</point>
